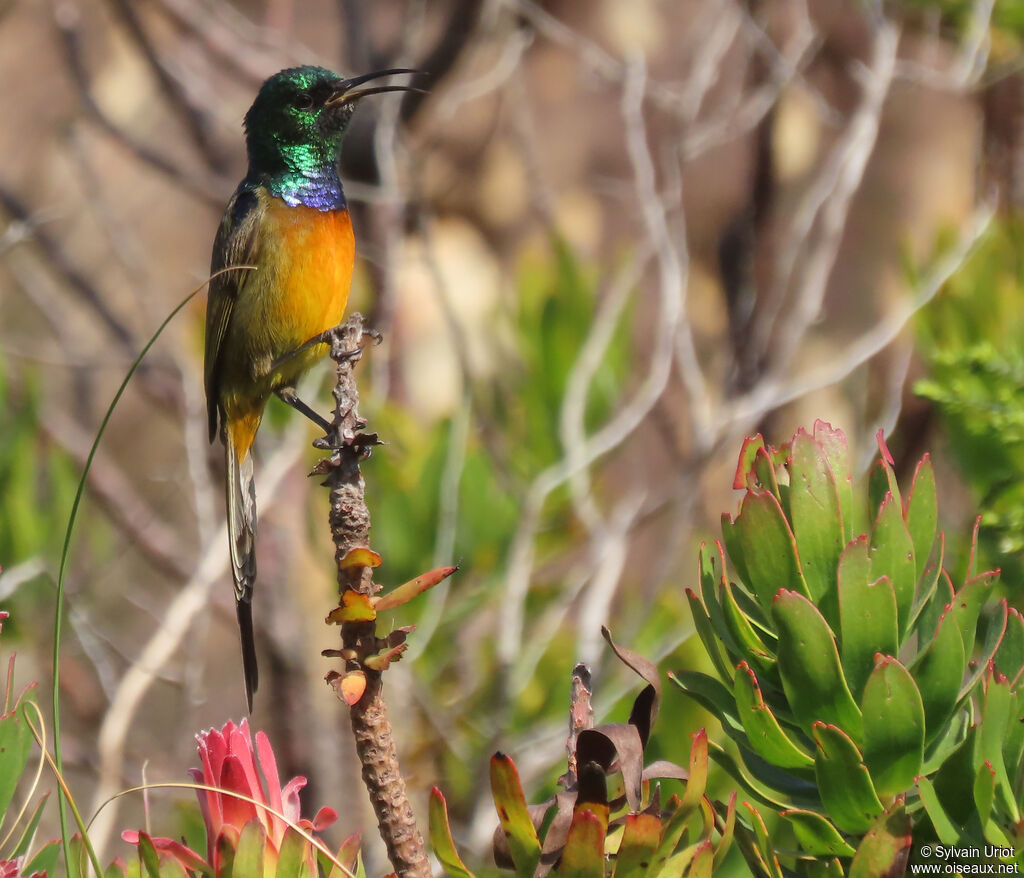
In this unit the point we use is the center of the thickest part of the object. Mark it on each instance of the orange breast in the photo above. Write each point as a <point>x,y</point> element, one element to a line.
<point>300,288</point>
<point>308,257</point>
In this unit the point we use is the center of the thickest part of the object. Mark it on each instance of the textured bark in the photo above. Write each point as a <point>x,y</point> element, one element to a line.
<point>350,528</point>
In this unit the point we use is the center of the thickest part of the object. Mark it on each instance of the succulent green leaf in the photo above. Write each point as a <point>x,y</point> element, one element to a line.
<point>751,646</point>
<point>967,606</point>
<point>892,555</point>
<point>1010,657</point>
<point>709,579</point>
<point>837,454</point>
<point>825,869</point>
<point>171,868</point>
<point>441,838</point>
<point>817,520</point>
<point>945,829</point>
<point>28,834</point>
<point>764,733</point>
<point>252,846</point>
<point>886,846</point>
<point>764,470</point>
<point>703,861</point>
<point>984,791</point>
<point>294,858</point>
<point>764,842</point>
<point>728,831</point>
<point>932,612</point>
<point>15,745</point>
<point>809,666</point>
<point>696,784</point>
<point>887,464</point>
<point>45,859</point>
<point>745,476</point>
<point>867,615</point>
<point>927,584</point>
<point>640,837</point>
<point>712,695</point>
<point>1013,743</point>
<point>997,703</point>
<point>922,513</point>
<point>816,835</point>
<point>583,855</point>
<point>993,618</point>
<point>953,778</point>
<point>148,856</point>
<point>844,782</point>
<point>745,779</point>
<point>768,548</point>
<point>706,632</point>
<point>893,727</point>
<point>514,817</point>
<point>733,546</point>
<point>938,671</point>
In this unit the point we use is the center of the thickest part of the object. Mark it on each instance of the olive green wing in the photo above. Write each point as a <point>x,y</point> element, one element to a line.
<point>237,243</point>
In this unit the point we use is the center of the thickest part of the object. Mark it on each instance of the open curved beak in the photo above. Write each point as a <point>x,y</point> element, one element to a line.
<point>348,89</point>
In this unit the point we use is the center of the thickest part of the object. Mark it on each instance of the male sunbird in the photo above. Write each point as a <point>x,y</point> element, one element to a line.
<point>288,220</point>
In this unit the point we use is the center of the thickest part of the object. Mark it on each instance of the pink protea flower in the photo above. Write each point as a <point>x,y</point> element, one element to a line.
<point>232,765</point>
<point>12,868</point>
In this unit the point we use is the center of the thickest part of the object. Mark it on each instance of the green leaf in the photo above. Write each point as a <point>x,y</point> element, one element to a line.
<point>885,847</point>
<point>441,840</point>
<point>764,843</point>
<point>892,555</point>
<point>514,817</point>
<point>922,514</point>
<point>751,646</point>
<point>837,453</point>
<point>938,672</point>
<point>867,615</point>
<point>252,845</point>
<point>1010,657</point>
<point>709,578</point>
<point>945,829</point>
<point>927,584</point>
<point>583,855</point>
<point>149,858</point>
<point>933,611</point>
<point>728,831</point>
<point>295,857</point>
<point>844,782</point>
<point>967,606</point>
<point>893,727</point>
<point>15,746</point>
<point>993,729</point>
<point>696,783</point>
<point>809,665</point>
<point>764,733</point>
<point>28,834</point>
<point>993,618</point>
<point>816,835</point>
<point>768,547</point>
<point>706,632</point>
<point>745,475</point>
<point>712,695</point>
<point>44,860</point>
<point>984,791</point>
<point>703,861</point>
<point>817,521</point>
<point>745,779</point>
<point>640,837</point>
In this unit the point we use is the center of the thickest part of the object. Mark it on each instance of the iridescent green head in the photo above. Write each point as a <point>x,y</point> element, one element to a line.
<point>293,132</point>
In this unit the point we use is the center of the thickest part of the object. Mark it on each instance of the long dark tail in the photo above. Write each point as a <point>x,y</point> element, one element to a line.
<point>241,503</point>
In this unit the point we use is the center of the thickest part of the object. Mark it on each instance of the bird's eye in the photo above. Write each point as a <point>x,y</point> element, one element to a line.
<point>303,101</point>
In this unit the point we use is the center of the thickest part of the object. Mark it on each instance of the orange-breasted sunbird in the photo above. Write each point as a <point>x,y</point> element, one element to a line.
<point>289,221</point>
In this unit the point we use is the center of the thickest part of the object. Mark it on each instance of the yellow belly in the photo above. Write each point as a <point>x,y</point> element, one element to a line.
<point>300,289</point>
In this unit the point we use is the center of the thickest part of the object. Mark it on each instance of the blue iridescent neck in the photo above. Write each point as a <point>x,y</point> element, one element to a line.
<point>304,177</point>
